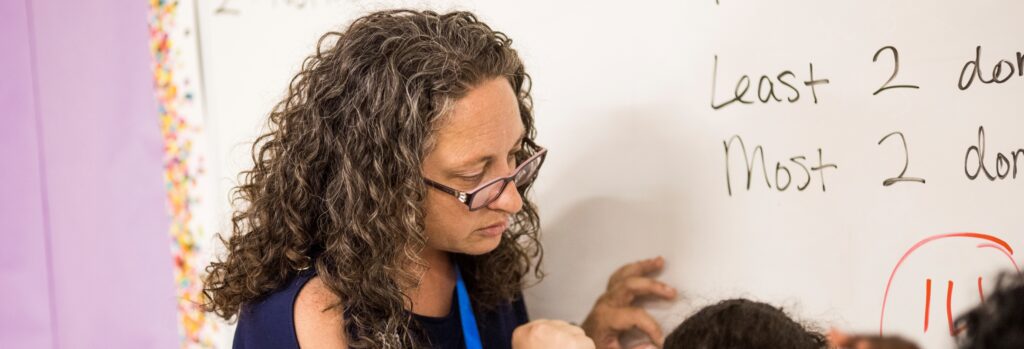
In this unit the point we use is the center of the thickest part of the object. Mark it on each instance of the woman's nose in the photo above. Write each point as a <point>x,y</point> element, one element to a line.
<point>509,200</point>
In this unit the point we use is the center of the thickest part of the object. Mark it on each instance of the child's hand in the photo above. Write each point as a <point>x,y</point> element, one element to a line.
<point>614,312</point>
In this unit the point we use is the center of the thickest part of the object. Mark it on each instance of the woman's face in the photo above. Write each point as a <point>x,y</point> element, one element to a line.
<point>474,145</point>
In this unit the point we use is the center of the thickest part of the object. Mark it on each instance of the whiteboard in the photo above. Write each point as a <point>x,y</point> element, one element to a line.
<point>632,101</point>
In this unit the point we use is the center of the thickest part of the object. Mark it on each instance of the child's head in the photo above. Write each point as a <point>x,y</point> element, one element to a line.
<point>745,324</point>
<point>999,321</point>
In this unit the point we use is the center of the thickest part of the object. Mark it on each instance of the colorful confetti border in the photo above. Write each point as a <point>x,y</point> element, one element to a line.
<point>182,166</point>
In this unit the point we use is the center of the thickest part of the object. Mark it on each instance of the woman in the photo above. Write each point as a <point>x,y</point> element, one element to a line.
<point>387,205</point>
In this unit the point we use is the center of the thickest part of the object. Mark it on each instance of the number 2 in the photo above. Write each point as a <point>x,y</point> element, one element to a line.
<point>906,162</point>
<point>895,69</point>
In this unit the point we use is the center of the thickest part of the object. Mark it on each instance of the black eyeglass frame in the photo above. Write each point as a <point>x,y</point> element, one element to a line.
<point>466,197</point>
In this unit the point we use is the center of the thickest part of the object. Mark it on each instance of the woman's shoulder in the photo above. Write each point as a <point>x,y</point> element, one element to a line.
<point>288,316</point>
<point>318,319</point>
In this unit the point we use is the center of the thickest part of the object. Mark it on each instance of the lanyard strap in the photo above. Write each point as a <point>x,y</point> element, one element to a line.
<point>469,330</point>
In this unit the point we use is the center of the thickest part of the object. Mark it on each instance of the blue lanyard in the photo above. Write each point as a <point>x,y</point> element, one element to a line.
<point>469,331</point>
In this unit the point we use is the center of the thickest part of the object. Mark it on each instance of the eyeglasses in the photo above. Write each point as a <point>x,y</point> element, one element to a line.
<point>486,193</point>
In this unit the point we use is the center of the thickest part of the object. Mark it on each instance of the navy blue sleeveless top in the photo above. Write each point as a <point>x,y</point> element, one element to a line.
<point>269,322</point>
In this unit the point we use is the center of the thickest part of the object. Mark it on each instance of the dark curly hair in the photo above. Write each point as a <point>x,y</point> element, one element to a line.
<point>336,182</point>
<point>743,324</point>
<point>999,321</point>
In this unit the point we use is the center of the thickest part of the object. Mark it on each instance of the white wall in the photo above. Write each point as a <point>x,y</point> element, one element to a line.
<point>637,165</point>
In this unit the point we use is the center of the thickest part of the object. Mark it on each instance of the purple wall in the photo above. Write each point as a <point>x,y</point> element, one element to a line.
<point>85,261</point>
<point>25,320</point>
